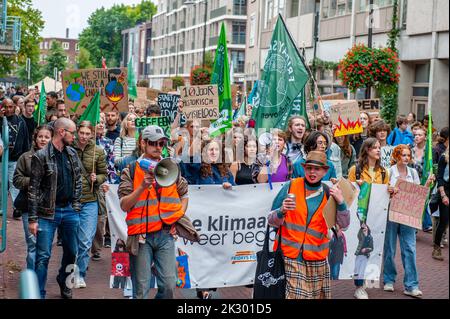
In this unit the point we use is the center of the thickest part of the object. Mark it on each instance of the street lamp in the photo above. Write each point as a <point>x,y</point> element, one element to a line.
<point>190,2</point>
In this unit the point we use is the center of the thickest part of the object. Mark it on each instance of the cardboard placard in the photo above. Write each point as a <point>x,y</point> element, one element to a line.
<point>162,121</point>
<point>408,203</point>
<point>80,86</point>
<point>200,102</point>
<point>345,115</point>
<point>349,191</point>
<point>168,104</point>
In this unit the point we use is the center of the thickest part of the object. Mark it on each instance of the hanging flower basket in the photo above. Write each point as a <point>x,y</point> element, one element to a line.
<point>200,75</point>
<point>362,67</point>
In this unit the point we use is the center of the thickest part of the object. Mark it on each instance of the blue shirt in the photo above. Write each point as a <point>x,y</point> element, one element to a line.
<point>398,137</point>
<point>191,172</point>
<point>300,172</point>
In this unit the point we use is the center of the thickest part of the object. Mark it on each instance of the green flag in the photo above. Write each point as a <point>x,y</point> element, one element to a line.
<point>428,160</point>
<point>92,112</point>
<point>242,109</point>
<point>221,77</point>
<point>299,107</point>
<point>39,112</point>
<point>284,76</point>
<point>132,90</point>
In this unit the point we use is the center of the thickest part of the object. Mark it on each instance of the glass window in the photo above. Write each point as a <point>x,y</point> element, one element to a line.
<point>404,13</point>
<point>293,9</point>
<point>307,6</point>
<point>325,5</point>
<point>420,91</point>
<point>332,10</point>
<point>238,58</point>
<point>239,30</point>
<point>422,73</point>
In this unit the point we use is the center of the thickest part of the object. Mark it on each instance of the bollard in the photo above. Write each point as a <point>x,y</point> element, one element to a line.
<point>29,286</point>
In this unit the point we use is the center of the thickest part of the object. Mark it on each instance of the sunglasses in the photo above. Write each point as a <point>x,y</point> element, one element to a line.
<point>157,143</point>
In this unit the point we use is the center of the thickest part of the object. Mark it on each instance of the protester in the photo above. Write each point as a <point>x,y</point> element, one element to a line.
<point>55,193</point>
<point>316,141</point>
<point>18,101</point>
<point>305,252</point>
<point>415,126</point>
<point>338,249</point>
<point>295,132</point>
<point>443,189</point>
<point>400,135</point>
<point>358,139</point>
<point>418,151</point>
<point>243,169</point>
<point>441,145</point>
<point>380,130</point>
<point>61,109</point>
<point>113,126</point>
<point>51,98</point>
<point>27,116</point>
<point>151,212</point>
<point>279,167</point>
<point>21,181</point>
<point>348,153</point>
<point>94,174</point>
<point>401,157</point>
<point>411,118</point>
<point>125,144</point>
<point>368,169</point>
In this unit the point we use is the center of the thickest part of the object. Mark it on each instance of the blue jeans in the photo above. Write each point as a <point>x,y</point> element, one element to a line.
<point>159,248</point>
<point>334,270</point>
<point>30,239</point>
<point>68,221</point>
<point>426,221</point>
<point>86,233</point>
<point>407,236</point>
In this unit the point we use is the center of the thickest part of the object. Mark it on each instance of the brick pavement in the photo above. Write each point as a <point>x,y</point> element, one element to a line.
<point>434,275</point>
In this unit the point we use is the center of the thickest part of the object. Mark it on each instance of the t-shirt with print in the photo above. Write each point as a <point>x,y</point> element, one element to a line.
<point>386,152</point>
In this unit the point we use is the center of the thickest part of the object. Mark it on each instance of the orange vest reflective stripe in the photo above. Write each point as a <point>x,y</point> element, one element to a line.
<point>149,214</point>
<point>296,236</point>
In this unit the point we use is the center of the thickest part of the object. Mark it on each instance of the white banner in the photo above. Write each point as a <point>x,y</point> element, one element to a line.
<point>232,225</point>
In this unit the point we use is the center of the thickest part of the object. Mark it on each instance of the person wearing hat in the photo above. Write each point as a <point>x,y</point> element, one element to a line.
<point>152,212</point>
<point>304,232</point>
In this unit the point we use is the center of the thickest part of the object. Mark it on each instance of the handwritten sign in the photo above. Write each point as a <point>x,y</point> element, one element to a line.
<point>345,115</point>
<point>168,104</point>
<point>369,105</point>
<point>80,87</point>
<point>349,192</point>
<point>408,203</point>
<point>200,102</point>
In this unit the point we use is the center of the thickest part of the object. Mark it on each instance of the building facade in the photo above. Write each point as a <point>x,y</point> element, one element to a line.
<point>178,36</point>
<point>70,46</point>
<point>339,24</point>
<point>136,43</point>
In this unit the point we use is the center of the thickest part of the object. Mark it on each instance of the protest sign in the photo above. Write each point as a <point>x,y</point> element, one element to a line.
<point>168,104</point>
<point>345,115</point>
<point>163,122</point>
<point>349,192</point>
<point>200,102</point>
<point>80,87</point>
<point>232,230</point>
<point>407,204</point>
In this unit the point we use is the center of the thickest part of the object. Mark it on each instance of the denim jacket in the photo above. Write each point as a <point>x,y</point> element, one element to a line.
<point>43,182</point>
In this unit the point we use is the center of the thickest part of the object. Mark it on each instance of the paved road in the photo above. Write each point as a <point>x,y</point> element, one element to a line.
<point>434,279</point>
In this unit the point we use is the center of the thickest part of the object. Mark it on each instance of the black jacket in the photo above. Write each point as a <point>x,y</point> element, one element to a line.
<point>18,137</point>
<point>43,182</point>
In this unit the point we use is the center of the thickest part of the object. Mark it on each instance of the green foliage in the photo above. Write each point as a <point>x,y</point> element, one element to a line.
<point>103,35</point>
<point>55,59</point>
<point>200,76</point>
<point>209,60</point>
<point>177,81</point>
<point>143,83</point>
<point>327,65</point>
<point>32,24</point>
<point>83,59</point>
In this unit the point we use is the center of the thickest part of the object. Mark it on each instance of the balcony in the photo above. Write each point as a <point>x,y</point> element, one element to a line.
<point>239,10</point>
<point>10,35</point>
<point>218,12</point>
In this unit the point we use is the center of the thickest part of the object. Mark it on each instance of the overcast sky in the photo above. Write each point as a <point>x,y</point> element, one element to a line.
<point>73,14</point>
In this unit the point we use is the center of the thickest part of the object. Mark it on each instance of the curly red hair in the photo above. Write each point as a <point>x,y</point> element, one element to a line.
<point>397,153</point>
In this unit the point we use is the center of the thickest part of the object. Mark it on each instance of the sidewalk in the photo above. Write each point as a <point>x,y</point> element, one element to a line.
<point>434,278</point>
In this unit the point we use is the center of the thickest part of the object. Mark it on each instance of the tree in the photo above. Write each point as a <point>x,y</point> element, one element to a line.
<point>103,37</point>
<point>55,59</point>
<point>209,60</point>
<point>32,24</point>
<point>35,74</point>
<point>83,59</point>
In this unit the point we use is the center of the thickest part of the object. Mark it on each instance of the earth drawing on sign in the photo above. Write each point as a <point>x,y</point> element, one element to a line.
<point>75,92</point>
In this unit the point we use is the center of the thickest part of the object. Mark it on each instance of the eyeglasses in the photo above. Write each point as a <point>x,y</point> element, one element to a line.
<point>157,143</point>
<point>71,132</point>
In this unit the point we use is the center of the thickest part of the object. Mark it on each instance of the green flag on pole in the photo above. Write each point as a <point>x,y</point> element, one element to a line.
<point>299,107</point>
<point>39,112</point>
<point>283,78</point>
<point>92,112</point>
<point>428,160</point>
<point>132,90</point>
<point>221,77</point>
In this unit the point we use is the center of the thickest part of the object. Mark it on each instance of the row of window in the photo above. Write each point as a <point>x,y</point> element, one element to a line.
<point>46,45</point>
<point>44,56</point>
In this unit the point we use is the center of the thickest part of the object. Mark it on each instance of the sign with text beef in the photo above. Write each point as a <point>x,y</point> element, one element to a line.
<point>200,102</point>
<point>80,87</point>
<point>168,104</point>
<point>407,204</point>
<point>345,116</point>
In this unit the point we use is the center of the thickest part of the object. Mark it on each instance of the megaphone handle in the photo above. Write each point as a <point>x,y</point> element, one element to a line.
<point>269,175</point>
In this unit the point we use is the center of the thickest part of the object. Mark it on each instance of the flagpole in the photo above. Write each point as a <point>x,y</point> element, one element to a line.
<point>95,145</point>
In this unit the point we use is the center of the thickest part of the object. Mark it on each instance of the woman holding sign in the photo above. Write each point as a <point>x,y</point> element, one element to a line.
<point>401,158</point>
<point>125,144</point>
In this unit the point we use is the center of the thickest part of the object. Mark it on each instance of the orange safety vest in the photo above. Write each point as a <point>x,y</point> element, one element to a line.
<point>149,213</point>
<point>298,237</point>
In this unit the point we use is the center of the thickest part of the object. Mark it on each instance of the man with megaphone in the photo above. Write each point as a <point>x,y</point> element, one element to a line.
<point>155,198</point>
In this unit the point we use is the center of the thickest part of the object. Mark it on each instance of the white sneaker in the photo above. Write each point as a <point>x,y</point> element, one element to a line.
<point>361,293</point>
<point>80,283</point>
<point>416,293</point>
<point>388,287</point>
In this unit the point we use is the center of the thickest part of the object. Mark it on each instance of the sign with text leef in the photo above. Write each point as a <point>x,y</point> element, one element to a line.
<point>408,203</point>
<point>200,102</point>
<point>80,87</point>
<point>345,116</point>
